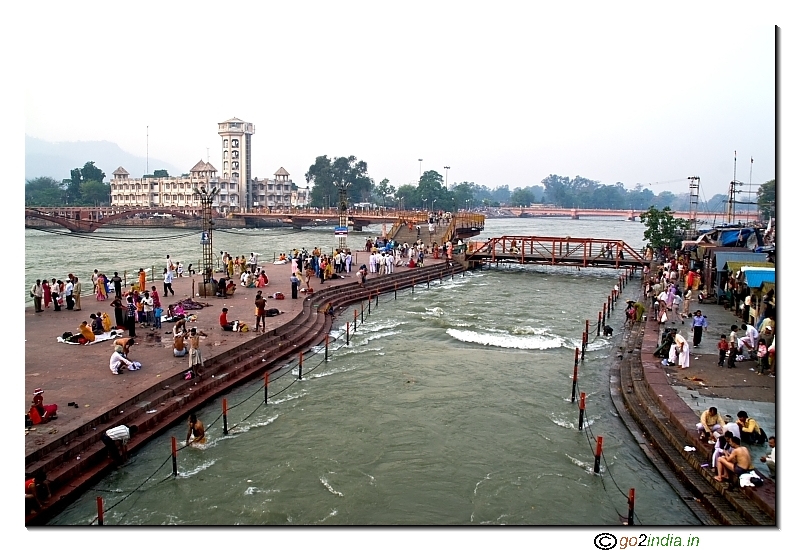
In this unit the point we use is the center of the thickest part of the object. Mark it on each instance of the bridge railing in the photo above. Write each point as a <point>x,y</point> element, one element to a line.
<point>585,252</point>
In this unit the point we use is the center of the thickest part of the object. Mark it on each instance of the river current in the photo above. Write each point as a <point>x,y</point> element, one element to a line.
<point>450,406</point>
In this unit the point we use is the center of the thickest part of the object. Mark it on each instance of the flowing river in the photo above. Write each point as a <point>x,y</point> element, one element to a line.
<point>450,406</point>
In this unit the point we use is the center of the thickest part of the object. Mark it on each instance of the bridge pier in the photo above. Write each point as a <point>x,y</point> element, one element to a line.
<point>574,214</point>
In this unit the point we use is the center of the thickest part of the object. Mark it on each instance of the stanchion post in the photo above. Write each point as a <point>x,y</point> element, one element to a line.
<point>369,304</point>
<point>300,365</point>
<point>610,303</point>
<point>100,509</point>
<point>174,456</point>
<point>575,375</point>
<point>377,293</point>
<point>327,339</point>
<point>395,291</point>
<point>429,281</point>
<point>266,387</point>
<point>599,322</point>
<point>631,499</point>
<point>347,333</point>
<point>604,314</point>
<point>413,281</point>
<point>355,320</point>
<point>584,341</point>
<point>362,313</point>
<point>597,453</point>
<point>583,409</point>
<point>225,416</point>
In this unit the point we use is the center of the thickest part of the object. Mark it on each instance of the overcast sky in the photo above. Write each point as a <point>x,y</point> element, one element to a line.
<point>503,93</point>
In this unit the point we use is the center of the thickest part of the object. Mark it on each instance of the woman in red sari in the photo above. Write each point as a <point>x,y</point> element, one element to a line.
<point>48,297</point>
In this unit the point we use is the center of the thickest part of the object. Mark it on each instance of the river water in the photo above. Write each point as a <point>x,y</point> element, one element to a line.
<point>450,406</point>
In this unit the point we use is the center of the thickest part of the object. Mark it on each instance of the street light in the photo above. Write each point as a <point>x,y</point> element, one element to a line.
<point>206,199</point>
<point>446,168</point>
<point>433,204</point>
<point>420,168</point>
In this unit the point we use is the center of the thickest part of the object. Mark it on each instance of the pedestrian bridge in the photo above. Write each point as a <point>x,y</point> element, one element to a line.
<point>567,251</point>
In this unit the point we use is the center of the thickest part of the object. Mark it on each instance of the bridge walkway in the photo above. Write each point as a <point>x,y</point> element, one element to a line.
<point>580,252</point>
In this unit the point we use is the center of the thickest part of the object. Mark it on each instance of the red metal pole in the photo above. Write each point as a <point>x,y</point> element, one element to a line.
<point>355,319</point>
<point>174,456</point>
<point>327,337</point>
<point>575,375</point>
<point>100,510</point>
<point>604,314</point>
<point>300,377</point>
<point>631,499</point>
<point>597,453</point>
<point>266,386</point>
<point>599,322</point>
<point>225,416</point>
<point>583,409</point>
<point>347,332</point>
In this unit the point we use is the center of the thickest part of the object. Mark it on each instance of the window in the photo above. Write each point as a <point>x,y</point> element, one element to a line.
<point>225,154</point>
<point>235,154</point>
<point>225,165</point>
<point>235,164</point>
<point>224,143</point>
<point>235,143</point>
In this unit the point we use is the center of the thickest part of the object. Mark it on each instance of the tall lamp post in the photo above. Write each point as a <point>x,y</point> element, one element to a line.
<point>420,168</point>
<point>343,208</point>
<point>446,168</point>
<point>206,237</point>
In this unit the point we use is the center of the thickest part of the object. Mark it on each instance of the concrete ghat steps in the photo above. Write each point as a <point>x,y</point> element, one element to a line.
<point>175,397</point>
<point>632,341</point>
<point>646,404</point>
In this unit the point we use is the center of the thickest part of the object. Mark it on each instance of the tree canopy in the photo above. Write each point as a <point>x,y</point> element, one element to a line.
<point>663,229</point>
<point>84,187</point>
<point>766,199</point>
<point>329,175</point>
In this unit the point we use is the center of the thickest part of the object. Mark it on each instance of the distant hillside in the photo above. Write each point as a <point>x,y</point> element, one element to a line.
<point>55,160</point>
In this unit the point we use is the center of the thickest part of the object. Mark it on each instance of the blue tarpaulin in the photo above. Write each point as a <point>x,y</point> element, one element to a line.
<point>735,237</point>
<point>755,276</point>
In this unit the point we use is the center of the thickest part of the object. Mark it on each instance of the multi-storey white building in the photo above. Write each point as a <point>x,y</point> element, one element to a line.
<point>238,190</point>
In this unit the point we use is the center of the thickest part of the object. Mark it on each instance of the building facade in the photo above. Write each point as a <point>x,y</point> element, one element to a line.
<point>239,191</point>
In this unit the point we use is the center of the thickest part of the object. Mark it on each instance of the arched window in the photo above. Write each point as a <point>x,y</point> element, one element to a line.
<point>225,165</point>
<point>235,164</point>
<point>235,143</point>
<point>235,154</point>
<point>225,154</point>
<point>224,143</point>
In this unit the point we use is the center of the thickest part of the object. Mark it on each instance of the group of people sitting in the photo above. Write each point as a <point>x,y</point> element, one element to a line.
<point>251,280</point>
<point>99,323</point>
<point>225,288</point>
<point>730,458</point>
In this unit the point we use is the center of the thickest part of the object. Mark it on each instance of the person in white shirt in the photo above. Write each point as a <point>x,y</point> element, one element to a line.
<point>68,294</point>
<point>116,441</point>
<point>147,302</point>
<point>117,361</point>
<point>770,458</point>
<point>168,282</point>
<point>749,341</point>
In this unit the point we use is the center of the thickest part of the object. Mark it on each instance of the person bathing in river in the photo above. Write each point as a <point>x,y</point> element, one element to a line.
<point>197,430</point>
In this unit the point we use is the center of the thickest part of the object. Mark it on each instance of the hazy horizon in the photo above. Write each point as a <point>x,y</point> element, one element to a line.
<point>505,96</point>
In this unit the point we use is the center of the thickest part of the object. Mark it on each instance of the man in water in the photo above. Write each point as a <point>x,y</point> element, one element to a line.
<point>196,429</point>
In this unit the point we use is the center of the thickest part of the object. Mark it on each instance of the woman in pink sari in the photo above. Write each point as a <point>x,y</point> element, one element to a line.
<point>101,288</point>
<point>48,297</point>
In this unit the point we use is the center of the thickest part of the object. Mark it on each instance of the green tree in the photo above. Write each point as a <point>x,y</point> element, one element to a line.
<point>90,172</point>
<point>663,229</point>
<point>44,191</point>
<point>384,189</point>
<point>327,175</point>
<point>766,199</point>
<point>95,192</point>
<point>522,197</point>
